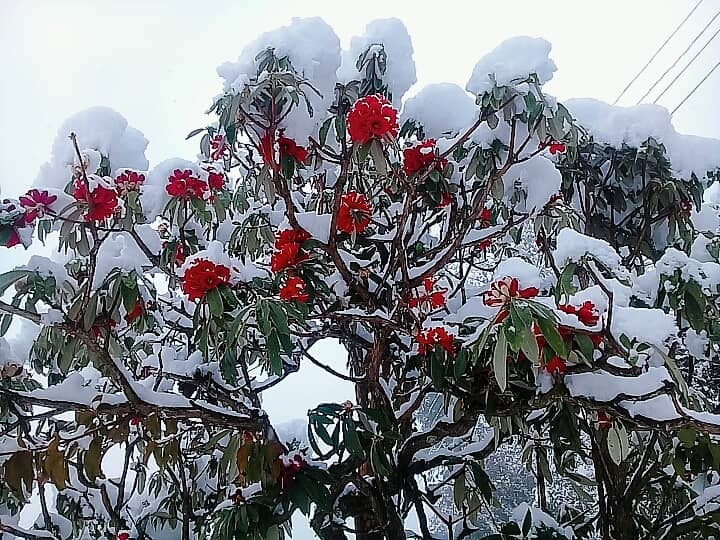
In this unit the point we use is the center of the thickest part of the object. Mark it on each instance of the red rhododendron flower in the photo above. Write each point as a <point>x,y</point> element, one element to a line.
<point>135,313</point>
<point>430,298</point>
<point>129,181</point>
<point>354,214</point>
<point>445,200</point>
<point>597,339</point>
<point>218,148</point>
<point>182,184</point>
<point>485,217</point>
<point>428,339</point>
<point>420,156</point>
<point>291,236</point>
<point>267,150</point>
<point>556,366</point>
<point>557,147</point>
<point>504,290</point>
<point>13,239</point>
<point>102,202</point>
<point>288,256</point>
<point>216,180</point>
<point>586,313</point>
<point>604,421</point>
<point>294,289</point>
<point>483,245</point>
<point>36,204</point>
<point>134,421</point>
<point>289,469</point>
<point>123,535</point>
<point>288,147</point>
<point>202,277</point>
<point>685,207</point>
<point>372,117</point>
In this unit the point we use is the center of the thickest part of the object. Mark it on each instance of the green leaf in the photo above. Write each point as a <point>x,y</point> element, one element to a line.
<point>459,491</point>
<point>92,459</point>
<point>500,360</point>
<point>529,346</point>
<point>378,156</point>
<point>215,303</point>
<point>351,438</point>
<point>552,336</point>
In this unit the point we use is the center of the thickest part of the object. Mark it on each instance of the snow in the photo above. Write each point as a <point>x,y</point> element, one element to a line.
<point>98,128</point>
<point>512,61</point>
<point>46,268</point>
<point>604,386</point>
<point>660,408</point>
<point>317,225</point>
<point>313,49</point>
<point>120,251</point>
<point>537,177</point>
<point>443,109</point>
<point>539,518</point>
<point>400,71</point>
<point>573,246</point>
<point>651,326</point>
<point>615,125</point>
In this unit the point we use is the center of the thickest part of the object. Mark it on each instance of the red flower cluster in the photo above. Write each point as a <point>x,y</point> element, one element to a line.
<point>129,181</point>
<point>429,299</point>
<point>556,366</point>
<point>446,200</point>
<point>421,156</point>
<point>290,148</point>
<point>372,117</point>
<point>294,289</point>
<point>428,339</point>
<point>289,253</point>
<point>216,180</point>
<point>183,185</point>
<point>586,313</point>
<point>354,214</point>
<point>555,147</point>
<point>36,203</point>
<point>136,312</point>
<point>289,469</point>
<point>504,290</point>
<point>485,218</point>
<point>202,277</point>
<point>101,201</point>
<point>218,148</point>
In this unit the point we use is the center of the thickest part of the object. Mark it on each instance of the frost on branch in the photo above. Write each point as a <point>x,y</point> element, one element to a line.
<point>508,276</point>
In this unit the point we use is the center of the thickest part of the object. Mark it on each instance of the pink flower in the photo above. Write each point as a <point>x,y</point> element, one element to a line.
<point>129,181</point>
<point>36,204</point>
<point>504,290</point>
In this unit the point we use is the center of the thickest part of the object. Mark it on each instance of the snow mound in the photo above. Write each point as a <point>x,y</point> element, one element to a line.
<point>313,49</point>
<point>513,60</point>
<point>442,109</point>
<point>616,125</point>
<point>393,36</point>
<point>100,129</point>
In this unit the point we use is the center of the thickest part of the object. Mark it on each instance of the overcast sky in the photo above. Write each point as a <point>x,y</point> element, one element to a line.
<point>154,61</point>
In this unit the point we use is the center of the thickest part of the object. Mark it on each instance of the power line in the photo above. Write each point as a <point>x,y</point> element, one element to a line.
<point>657,52</point>
<point>696,87</point>
<point>668,70</point>
<point>683,70</point>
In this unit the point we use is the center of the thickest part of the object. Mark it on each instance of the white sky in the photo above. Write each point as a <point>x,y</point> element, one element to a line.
<point>154,61</point>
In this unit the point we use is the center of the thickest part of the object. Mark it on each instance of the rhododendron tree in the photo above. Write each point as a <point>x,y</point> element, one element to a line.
<point>493,261</point>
